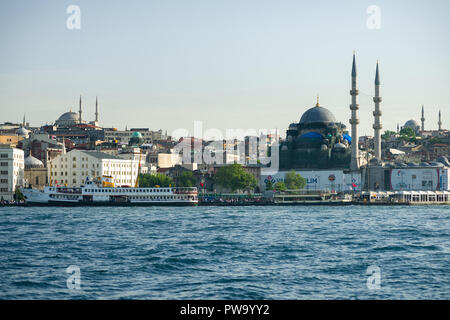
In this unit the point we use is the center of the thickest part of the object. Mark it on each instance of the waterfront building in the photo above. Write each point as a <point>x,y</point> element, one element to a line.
<point>408,176</point>
<point>74,167</point>
<point>11,171</point>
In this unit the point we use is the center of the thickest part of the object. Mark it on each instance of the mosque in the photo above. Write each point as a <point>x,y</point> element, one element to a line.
<point>317,141</point>
<point>414,125</point>
<point>320,148</point>
<point>72,119</point>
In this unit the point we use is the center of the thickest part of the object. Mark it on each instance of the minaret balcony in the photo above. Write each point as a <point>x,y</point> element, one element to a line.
<point>354,92</point>
<point>377,113</point>
<point>377,126</point>
<point>377,99</point>
<point>354,107</point>
<point>353,121</point>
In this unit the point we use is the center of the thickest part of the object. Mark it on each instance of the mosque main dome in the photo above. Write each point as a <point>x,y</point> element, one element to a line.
<point>67,119</point>
<point>317,114</point>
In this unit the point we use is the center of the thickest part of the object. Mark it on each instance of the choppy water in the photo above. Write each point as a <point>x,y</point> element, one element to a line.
<point>225,252</point>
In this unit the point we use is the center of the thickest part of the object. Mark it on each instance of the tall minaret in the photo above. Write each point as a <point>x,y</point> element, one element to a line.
<point>398,128</point>
<point>79,112</point>
<point>96,109</point>
<point>423,119</point>
<point>439,122</point>
<point>377,114</point>
<point>354,121</point>
<point>23,122</point>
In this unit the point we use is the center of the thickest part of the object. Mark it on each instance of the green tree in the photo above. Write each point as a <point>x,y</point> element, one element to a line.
<point>280,186</point>
<point>234,177</point>
<point>388,134</point>
<point>434,140</point>
<point>153,180</point>
<point>408,132</point>
<point>294,180</point>
<point>269,185</point>
<point>186,179</point>
<point>18,195</point>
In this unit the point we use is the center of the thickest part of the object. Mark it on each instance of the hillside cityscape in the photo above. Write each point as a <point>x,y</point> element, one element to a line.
<point>320,148</point>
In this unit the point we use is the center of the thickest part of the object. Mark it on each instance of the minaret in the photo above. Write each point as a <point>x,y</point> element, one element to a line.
<point>398,128</point>
<point>23,122</point>
<point>354,121</point>
<point>79,112</point>
<point>423,119</point>
<point>439,122</point>
<point>96,109</point>
<point>377,114</point>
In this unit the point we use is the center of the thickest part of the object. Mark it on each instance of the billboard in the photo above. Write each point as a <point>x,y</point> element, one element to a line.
<point>320,180</point>
<point>419,179</point>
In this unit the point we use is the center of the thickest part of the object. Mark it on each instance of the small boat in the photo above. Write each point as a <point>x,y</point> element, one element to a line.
<point>295,197</point>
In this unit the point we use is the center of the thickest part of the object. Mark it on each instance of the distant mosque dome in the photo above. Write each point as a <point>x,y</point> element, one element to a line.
<point>136,139</point>
<point>317,114</point>
<point>67,119</point>
<point>412,124</point>
<point>22,132</point>
<point>32,162</point>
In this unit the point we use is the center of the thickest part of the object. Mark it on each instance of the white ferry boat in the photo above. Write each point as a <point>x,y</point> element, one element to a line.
<point>91,194</point>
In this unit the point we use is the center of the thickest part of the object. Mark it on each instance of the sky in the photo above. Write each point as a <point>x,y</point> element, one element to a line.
<point>234,64</point>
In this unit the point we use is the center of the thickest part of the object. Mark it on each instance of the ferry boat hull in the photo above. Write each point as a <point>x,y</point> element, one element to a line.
<point>92,195</point>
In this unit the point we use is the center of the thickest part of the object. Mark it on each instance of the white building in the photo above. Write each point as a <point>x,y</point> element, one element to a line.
<point>73,168</point>
<point>11,171</point>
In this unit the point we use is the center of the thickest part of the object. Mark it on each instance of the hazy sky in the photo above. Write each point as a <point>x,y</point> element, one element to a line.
<point>232,64</point>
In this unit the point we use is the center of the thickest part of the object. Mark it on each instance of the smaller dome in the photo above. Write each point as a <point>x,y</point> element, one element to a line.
<point>22,132</point>
<point>437,164</point>
<point>340,146</point>
<point>136,139</point>
<point>443,160</point>
<point>323,147</point>
<point>32,162</point>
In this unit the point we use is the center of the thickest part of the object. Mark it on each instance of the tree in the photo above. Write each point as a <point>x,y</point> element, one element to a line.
<point>294,180</point>
<point>269,185</point>
<point>18,195</point>
<point>186,179</point>
<point>153,180</point>
<point>234,177</point>
<point>434,140</point>
<point>280,186</point>
<point>388,134</point>
<point>408,132</point>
